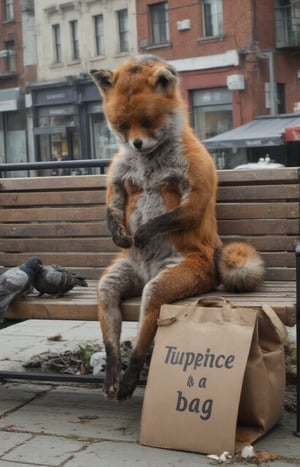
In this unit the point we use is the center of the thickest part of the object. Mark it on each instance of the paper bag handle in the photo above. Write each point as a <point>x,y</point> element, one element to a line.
<point>166,321</point>
<point>211,300</point>
<point>275,320</point>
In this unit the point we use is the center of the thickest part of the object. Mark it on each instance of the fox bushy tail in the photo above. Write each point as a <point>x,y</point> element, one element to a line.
<point>240,267</point>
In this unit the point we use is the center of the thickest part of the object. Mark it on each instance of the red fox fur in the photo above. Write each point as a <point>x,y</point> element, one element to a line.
<point>161,195</point>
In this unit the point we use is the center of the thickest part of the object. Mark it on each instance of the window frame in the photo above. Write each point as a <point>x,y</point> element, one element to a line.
<point>56,43</point>
<point>74,39</point>
<point>212,21</point>
<point>123,31</point>
<point>99,35</point>
<point>9,10</point>
<point>160,31</point>
<point>11,64</point>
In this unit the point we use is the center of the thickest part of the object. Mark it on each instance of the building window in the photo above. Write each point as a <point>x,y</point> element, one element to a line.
<point>159,23</point>
<point>212,18</point>
<point>287,16</point>
<point>74,39</point>
<point>104,144</point>
<point>56,43</point>
<point>99,34</point>
<point>281,108</point>
<point>9,10</point>
<point>212,114</point>
<point>123,30</point>
<point>11,56</point>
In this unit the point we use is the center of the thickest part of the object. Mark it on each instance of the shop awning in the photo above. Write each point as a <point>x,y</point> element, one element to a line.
<point>262,131</point>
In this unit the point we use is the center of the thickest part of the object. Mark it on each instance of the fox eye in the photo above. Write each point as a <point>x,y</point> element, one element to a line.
<point>147,122</point>
<point>123,126</point>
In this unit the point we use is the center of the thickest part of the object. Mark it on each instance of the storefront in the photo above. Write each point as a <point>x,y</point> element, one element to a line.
<point>101,143</point>
<point>212,115</point>
<point>68,121</point>
<point>271,137</point>
<point>13,140</point>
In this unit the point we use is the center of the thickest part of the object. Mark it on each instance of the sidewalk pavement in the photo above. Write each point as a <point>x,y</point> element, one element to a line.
<point>52,425</point>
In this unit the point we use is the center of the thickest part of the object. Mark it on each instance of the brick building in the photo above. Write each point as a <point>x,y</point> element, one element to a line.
<point>17,68</point>
<point>237,59</point>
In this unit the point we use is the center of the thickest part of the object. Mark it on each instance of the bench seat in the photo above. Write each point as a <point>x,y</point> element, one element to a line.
<point>81,303</point>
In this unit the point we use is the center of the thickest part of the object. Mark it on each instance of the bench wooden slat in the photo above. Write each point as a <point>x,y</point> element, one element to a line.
<point>282,259</point>
<point>248,193</point>
<point>256,177</point>
<point>47,244</point>
<point>52,198</point>
<point>51,213</point>
<point>90,229</point>
<point>279,274</point>
<point>256,210</point>
<point>92,259</point>
<point>267,242</point>
<point>41,184</point>
<point>259,227</point>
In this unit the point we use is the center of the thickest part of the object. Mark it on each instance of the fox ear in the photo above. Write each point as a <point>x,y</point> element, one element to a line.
<point>164,79</point>
<point>103,79</point>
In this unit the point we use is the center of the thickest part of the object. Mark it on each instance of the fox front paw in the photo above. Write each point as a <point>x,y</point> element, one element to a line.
<point>141,237</point>
<point>128,384</point>
<point>121,239</point>
<point>111,384</point>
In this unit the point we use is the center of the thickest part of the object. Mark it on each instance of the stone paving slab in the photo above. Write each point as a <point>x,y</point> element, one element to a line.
<point>9,440</point>
<point>110,454</point>
<point>46,450</point>
<point>77,412</point>
<point>15,395</point>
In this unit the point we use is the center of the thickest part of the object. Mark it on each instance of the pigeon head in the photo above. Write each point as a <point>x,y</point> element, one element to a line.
<point>33,264</point>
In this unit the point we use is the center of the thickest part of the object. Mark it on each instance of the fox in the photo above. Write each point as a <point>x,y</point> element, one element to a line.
<point>160,202</point>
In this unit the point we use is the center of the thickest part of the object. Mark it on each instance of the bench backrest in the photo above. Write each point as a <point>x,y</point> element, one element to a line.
<point>62,219</point>
<point>262,207</point>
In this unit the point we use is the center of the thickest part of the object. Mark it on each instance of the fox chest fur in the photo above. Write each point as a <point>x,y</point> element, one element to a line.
<point>147,187</point>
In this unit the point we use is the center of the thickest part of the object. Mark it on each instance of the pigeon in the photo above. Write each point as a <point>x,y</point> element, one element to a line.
<point>56,280</point>
<point>18,281</point>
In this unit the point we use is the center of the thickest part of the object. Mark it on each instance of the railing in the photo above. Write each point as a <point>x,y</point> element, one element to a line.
<point>100,164</point>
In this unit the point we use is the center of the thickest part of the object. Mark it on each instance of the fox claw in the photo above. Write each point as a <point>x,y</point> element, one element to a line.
<point>128,384</point>
<point>123,241</point>
<point>111,385</point>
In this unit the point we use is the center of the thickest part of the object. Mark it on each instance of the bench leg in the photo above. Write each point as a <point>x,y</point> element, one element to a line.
<point>297,432</point>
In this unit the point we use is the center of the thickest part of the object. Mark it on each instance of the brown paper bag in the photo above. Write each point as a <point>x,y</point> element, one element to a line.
<point>213,364</point>
<point>262,398</point>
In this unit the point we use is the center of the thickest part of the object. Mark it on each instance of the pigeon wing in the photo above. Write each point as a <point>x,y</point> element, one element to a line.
<point>48,281</point>
<point>13,282</point>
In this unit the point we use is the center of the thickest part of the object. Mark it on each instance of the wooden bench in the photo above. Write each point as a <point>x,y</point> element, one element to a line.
<point>62,219</point>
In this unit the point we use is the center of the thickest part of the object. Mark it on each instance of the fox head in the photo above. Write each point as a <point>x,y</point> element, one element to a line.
<point>142,102</point>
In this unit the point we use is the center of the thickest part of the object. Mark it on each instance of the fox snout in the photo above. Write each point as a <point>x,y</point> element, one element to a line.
<point>137,143</point>
<point>142,144</point>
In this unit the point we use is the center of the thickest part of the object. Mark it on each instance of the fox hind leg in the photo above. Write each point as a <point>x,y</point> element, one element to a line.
<point>192,276</point>
<point>119,282</point>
